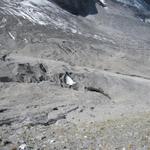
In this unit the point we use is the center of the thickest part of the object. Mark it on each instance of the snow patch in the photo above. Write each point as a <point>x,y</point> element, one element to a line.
<point>11,35</point>
<point>41,12</point>
<point>147,20</point>
<point>37,2</point>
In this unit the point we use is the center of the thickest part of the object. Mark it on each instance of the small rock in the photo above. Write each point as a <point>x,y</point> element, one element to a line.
<point>4,58</point>
<point>23,147</point>
<point>14,148</point>
<point>55,108</point>
<point>44,137</point>
<point>92,108</point>
<point>42,68</point>
<point>65,147</point>
<point>52,141</point>
<point>81,110</point>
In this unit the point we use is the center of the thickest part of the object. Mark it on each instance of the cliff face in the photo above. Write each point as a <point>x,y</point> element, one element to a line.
<point>77,7</point>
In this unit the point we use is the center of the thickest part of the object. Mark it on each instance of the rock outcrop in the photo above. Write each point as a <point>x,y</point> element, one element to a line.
<point>78,7</point>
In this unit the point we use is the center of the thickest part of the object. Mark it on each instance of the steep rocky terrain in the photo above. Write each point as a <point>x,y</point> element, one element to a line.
<point>106,51</point>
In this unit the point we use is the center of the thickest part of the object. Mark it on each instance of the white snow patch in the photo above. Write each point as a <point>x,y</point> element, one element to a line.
<point>103,2</point>
<point>37,2</point>
<point>147,20</point>
<point>10,34</point>
<point>74,31</point>
<point>4,20</point>
<point>23,147</point>
<point>69,81</point>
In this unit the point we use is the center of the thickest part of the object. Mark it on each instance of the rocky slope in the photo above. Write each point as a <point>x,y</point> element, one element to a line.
<point>106,52</point>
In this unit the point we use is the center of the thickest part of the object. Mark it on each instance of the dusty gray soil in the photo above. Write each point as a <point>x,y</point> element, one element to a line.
<point>106,54</point>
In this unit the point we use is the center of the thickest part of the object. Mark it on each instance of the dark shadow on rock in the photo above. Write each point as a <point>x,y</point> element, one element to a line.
<point>98,90</point>
<point>148,2</point>
<point>8,121</point>
<point>5,79</point>
<point>31,74</point>
<point>3,110</point>
<point>78,7</point>
<point>143,15</point>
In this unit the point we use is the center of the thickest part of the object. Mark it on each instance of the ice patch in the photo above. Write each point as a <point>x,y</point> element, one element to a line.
<point>73,30</point>
<point>37,2</point>
<point>10,34</point>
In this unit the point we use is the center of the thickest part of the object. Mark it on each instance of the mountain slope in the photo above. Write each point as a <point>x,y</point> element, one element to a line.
<point>105,51</point>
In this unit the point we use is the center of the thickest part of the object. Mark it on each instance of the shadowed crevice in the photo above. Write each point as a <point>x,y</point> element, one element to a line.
<point>98,90</point>
<point>5,79</point>
<point>3,110</point>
